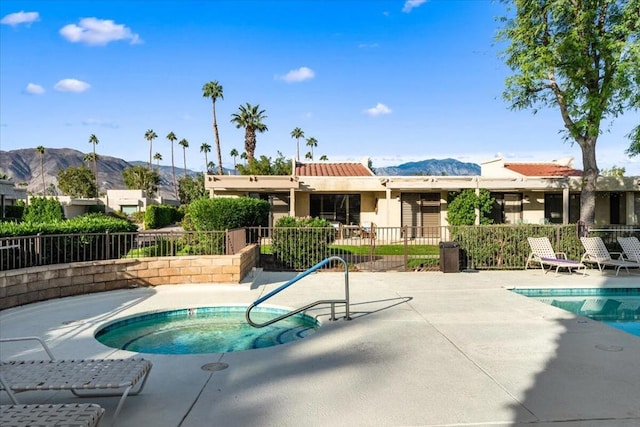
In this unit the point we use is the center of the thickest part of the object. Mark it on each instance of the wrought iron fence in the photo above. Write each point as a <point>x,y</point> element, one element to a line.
<point>364,249</point>
<point>46,249</point>
<point>610,234</point>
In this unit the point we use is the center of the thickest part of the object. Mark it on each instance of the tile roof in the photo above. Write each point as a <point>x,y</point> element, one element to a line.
<point>332,169</point>
<point>542,169</point>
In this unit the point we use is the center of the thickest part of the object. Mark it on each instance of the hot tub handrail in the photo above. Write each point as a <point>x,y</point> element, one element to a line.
<point>316,267</point>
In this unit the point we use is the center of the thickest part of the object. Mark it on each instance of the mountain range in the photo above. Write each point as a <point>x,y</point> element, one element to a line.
<point>23,166</point>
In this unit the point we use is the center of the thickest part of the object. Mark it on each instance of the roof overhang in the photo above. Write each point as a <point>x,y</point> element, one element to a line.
<point>251,182</point>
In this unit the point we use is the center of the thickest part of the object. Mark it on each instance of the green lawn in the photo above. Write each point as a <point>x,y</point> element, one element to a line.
<point>377,250</point>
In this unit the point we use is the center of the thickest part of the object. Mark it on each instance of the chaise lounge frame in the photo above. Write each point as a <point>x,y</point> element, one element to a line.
<point>542,252</point>
<point>59,415</point>
<point>597,253</point>
<point>110,377</point>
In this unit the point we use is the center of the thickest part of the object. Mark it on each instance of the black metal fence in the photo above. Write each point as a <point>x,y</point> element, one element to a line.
<point>364,249</point>
<point>47,249</point>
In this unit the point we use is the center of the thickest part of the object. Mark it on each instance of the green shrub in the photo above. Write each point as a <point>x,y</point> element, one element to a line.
<point>506,246</point>
<point>461,210</point>
<point>226,214</point>
<point>301,243</point>
<point>42,209</point>
<point>157,216</point>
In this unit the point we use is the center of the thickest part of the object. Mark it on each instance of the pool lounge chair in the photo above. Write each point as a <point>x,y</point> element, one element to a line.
<point>542,253</point>
<point>84,378</point>
<point>630,248</point>
<point>60,415</point>
<point>597,253</point>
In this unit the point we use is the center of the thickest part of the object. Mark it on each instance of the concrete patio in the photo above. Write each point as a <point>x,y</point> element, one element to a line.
<point>423,349</point>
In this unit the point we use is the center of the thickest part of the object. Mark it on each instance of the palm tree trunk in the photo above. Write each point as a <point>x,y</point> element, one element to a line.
<point>173,172</point>
<point>42,172</point>
<point>250,143</point>
<point>215,132</point>
<point>95,169</point>
<point>184,155</point>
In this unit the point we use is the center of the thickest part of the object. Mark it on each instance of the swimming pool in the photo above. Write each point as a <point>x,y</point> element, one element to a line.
<point>203,330</point>
<point>616,307</point>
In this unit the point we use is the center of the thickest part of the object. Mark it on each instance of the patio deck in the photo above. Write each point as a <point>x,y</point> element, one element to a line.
<point>428,349</point>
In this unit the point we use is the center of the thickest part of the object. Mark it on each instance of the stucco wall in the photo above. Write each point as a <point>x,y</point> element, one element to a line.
<point>27,285</point>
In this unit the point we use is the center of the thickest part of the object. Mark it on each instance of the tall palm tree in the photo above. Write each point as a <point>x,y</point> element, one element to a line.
<point>150,135</point>
<point>172,138</point>
<point>213,90</point>
<point>234,154</point>
<point>250,118</point>
<point>297,133</point>
<point>211,167</point>
<point>94,140</point>
<point>40,149</point>
<point>244,157</point>
<point>185,144</point>
<point>312,142</point>
<point>205,148</point>
<point>157,157</point>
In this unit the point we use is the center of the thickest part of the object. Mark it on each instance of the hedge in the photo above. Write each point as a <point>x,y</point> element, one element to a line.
<point>301,243</point>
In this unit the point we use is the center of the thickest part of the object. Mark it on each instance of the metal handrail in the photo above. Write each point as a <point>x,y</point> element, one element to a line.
<point>319,265</point>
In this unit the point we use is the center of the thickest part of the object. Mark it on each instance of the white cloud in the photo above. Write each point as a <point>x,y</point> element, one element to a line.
<point>21,17</point>
<point>71,85</point>
<point>378,110</point>
<point>299,75</point>
<point>34,89</point>
<point>100,123</point>
<point>98,32</point>
<point>412,4</point>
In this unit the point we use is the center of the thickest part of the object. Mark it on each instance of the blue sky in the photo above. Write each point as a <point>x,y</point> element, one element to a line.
<point>396,81</point>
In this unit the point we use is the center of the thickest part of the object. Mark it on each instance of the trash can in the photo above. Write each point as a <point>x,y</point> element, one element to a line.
<point>449,257</point>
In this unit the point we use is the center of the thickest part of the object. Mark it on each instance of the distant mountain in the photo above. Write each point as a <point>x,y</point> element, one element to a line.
<point>23,166</point>
<point>431,167</point>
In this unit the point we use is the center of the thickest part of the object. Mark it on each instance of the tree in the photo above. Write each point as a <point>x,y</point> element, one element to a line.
<point>91,158</point>
<point>243,157</point>
<point>615,171</point>
<point>323,158</point>
<point>157,157</point>
<point>191,189</point>
<point>582,58</point>
<point>297,133</point>
<point>40,149</point>
<point>462,209</point>
<point>150,135</point>
<point>312,142</point>
<point>77,182</point>
<point>264,166</point>
<point>94,141</point>
<point>309,155</point>
<point>250,117</point>
<point>234,154</point>
<point>211,167</point>
<point>173,138</point>
<point>213,90</point>
<point>140,178</point>
<point>205,148</point>
<point>184,144</point>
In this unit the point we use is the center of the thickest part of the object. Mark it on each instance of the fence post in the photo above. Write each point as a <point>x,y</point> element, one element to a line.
<point>107,252</point>
<point>405,239</point>
<point>38,249</point>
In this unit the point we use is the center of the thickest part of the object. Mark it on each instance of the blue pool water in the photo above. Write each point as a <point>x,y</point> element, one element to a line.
<point>616,307</point>
<point>204,330</point>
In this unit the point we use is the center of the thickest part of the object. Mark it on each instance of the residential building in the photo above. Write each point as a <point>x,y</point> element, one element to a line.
<point>350,194</point>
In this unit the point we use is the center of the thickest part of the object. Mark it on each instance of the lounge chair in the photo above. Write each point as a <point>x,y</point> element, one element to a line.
<point>111,377</point>
<point>597,253</point>
<point>542,253</point>
<point>368,230</point>
<point>630,248</point>
<point>73,414</point>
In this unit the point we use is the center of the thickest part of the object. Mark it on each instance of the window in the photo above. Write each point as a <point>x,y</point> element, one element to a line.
<point>507,208</point>
<point>343,208</point>
<point>553,208</point>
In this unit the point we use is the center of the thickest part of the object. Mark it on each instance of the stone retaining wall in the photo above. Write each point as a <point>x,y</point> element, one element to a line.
<point>27,285</point>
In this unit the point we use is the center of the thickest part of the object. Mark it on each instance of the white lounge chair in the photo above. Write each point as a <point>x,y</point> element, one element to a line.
<point>110,377</point>
<point>71,414</point>
<point>630,248</point>
<point>597,253</point>
<point>542,253</point>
